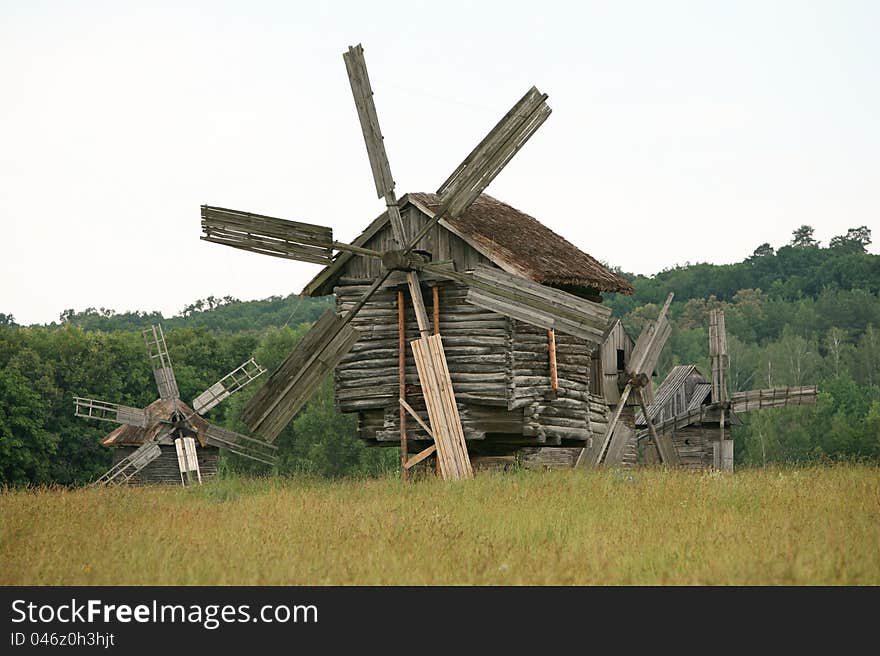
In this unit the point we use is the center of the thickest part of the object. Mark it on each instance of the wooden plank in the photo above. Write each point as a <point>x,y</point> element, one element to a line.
<point>442,408</point>
<point>421,455</point>
<point>415,415</point>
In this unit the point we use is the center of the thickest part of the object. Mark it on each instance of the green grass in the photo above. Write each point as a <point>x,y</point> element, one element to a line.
<point>816,525</point>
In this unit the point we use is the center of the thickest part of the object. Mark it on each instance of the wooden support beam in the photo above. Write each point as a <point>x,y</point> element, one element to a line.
<point>415,415</point>
<point>551,345</point>
<point>436,293</point>
<point>421,455</point>
<point>401,365</point>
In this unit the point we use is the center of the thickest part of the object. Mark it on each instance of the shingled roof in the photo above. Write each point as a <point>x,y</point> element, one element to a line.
<point>512,239</point>
<point>158,412</point>
<point>527,244</point>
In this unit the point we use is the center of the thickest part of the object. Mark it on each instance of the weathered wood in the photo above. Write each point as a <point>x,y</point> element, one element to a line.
<point>231,383</point>
<point>267,235</point>
<point>773,398</point>
<point>119,414</point>
<point>241,444</point>
<point>551,347</point>
<point>623,434</point>
<point>483,163</point>
<point>718,355</point>
<point>366,108</point>
<point>664,444</point>
<point>293,383</point>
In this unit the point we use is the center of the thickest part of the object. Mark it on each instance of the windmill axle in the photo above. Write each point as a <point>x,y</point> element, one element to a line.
<point>400,260</point>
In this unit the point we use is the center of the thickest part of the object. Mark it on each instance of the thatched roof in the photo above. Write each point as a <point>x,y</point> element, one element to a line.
<point>521,241</point>
<point>158,412</point>
<point>513,240</point>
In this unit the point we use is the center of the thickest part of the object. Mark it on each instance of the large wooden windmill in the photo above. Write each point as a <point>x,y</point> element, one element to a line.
<point>492,289</point>
<point>168,421</point>
<point>692,414</point>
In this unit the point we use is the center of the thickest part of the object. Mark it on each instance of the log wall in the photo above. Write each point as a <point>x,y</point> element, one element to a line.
<point>165,469</point>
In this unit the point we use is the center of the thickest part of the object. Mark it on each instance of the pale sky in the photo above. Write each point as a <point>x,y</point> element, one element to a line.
<point>680,131</point>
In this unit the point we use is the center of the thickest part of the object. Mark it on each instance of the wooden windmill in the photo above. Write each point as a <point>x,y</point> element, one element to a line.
<point>688,408</point>
<point>642,362</point>
<point>168,420</point>
<point>332,336</point>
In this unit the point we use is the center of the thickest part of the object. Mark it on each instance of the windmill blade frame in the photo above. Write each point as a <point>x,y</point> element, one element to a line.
<point>124,470</point>
<point>160,361</point>
<point>113,412</point>
<point>239,444</point>
<point>267,235</point>
<point>234,381</point>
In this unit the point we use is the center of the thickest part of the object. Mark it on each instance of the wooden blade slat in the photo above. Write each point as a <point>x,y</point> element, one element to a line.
<point>294,382</point>
<point>268,235</point>
<point>773,398</point>
<point>366,109</point>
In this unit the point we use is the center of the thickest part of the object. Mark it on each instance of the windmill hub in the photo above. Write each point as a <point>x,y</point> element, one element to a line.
<point>639,380</point>
<point>400,260</point>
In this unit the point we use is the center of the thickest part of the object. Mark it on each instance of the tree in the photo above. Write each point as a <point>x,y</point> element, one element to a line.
<point>856,240</point>
<point>764,250</point>
<point>803,237</point>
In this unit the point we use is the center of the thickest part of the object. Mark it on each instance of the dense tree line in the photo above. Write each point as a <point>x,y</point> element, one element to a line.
<point>799,314</point>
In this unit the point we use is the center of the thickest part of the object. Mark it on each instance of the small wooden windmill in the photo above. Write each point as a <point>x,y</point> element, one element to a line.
<point>168,420</point>
<point>642,362</point>
<point>694,414</point>
<point>333,336</point>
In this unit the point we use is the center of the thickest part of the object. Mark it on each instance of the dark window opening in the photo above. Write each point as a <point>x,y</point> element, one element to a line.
<point>621,364</point>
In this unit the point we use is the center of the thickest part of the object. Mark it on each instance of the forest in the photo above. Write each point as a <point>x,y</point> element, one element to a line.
<point>800,313</point>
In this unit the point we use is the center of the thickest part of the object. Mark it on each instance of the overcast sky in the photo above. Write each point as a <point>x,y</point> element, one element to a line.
<point>680,131</point>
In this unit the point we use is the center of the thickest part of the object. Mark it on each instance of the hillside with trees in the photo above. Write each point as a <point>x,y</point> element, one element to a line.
<point>800,313</point>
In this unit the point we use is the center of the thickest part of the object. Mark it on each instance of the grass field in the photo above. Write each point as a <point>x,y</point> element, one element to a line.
<point>818,525</point>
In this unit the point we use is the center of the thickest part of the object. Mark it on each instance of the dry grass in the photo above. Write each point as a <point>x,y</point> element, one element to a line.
<point>782,526</point>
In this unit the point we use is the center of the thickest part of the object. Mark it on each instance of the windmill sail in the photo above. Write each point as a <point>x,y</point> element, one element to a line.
<point>126,468</point>
<point>294,382</point>
<point>120,414</point>
<point>240,444</point>
<point>268,235</point>
<point>160,361</point>
<point>232,382</point>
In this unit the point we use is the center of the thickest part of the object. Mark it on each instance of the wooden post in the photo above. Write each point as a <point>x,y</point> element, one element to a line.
<point>401,366</point>
<point>554,378</point>
<point>436,297</point>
